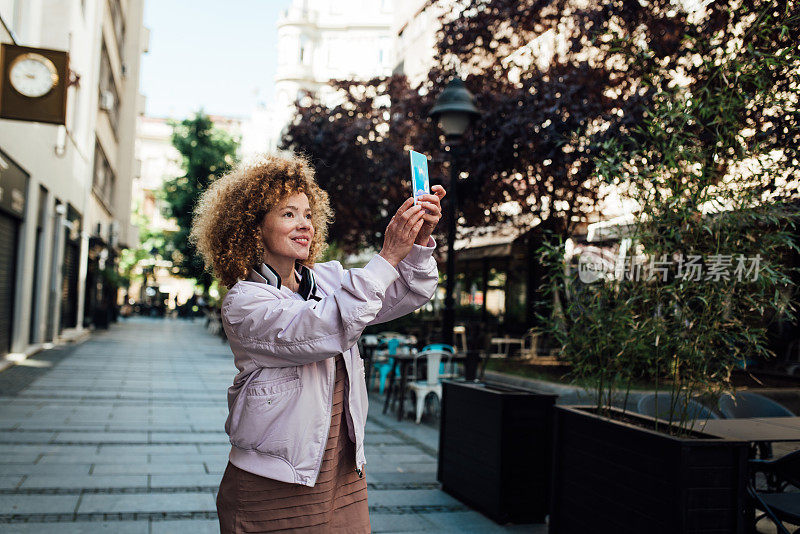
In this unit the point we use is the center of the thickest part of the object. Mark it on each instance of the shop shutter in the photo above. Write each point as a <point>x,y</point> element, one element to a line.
<point>8,260</point>
<point>69,286</point>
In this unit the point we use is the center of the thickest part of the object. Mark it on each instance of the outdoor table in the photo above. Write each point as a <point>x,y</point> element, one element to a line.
<point>404,361</point>
<point>757,429</point>
<point>504,345</point>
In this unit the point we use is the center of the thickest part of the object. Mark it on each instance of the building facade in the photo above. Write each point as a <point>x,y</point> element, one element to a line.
<point>414,28</point>
<point>71,184</point>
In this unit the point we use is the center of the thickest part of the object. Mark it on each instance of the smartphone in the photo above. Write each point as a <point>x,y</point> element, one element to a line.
<point>419,175</point>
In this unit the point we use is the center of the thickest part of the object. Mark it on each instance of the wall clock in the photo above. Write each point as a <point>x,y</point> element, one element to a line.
<point>34,84</point>
<point>32,75</point>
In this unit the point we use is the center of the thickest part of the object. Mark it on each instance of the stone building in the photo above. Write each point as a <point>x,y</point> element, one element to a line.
<point>320,41</point>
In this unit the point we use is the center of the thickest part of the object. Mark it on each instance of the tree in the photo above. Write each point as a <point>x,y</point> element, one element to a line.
<point>530,154</point>
<point>208,153</point>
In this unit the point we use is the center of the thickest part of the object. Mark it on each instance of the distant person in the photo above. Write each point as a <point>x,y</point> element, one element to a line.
<point>298,406</point>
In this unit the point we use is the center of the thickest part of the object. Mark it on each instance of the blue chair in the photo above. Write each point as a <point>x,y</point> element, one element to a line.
<point>694,410</point>
<point>385,367</point>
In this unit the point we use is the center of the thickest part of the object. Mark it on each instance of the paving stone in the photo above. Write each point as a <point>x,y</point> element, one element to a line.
<point>9,481</point>
<point>411,498</point>
<point>149,449</point>
<point>60,448</point>
<point>382,456</point>
<point>203,526</point>
<point>220,448</point>
<point>379,439</point>
<point>194,458</point>
<point>168,502</point>
<point>66,425</point>
<point>184,481</point>
<point>102,437</point>
<point>90,459</point>
<point>36,504</point>
<point>144,468</point>
<point>426,468</point>
<point>85,481</point>
<point>24,437</point>
<point>399,523</point>
<point>52,469</point>
<point>19,457</point>
<point>79,527</point>
<point>393,477</point>
<point>186,437</point>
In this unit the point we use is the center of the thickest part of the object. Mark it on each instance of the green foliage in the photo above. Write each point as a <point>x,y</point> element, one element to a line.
<point>708,168</point>
<point>149,240</point>
<point>208,153</point>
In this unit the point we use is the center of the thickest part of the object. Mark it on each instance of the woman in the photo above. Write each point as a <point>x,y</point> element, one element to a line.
<point>298,406</point>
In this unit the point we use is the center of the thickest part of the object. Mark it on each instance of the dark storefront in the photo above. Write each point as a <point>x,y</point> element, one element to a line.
<point>13,192</point>
<point>70,271</point>
<point>101,289</point>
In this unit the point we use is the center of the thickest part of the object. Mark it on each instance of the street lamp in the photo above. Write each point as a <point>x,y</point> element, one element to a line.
<point>453,110</point>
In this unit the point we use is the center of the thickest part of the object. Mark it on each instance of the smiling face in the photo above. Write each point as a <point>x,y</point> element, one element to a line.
<point>286,230</point>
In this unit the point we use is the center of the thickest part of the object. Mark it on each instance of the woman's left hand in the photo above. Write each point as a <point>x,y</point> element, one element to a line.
<point>432,203</point>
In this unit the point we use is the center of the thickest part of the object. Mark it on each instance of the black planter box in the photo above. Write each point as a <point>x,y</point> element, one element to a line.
<point>495,449</point>
<point>610,476</point>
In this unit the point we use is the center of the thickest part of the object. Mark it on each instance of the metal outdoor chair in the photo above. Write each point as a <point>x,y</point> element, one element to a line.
<point>383,361</point>
<point>774,502</point>
<point>436,358</point>
<point>447,368</point>
<point>460,338</point>
<point>661,410</point>
<point>747,405</point>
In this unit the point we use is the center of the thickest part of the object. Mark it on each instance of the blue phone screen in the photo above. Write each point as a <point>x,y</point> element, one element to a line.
<point>419,174</point>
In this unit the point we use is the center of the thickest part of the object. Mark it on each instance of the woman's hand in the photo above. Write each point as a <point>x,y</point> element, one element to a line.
<point>401,231</point>
<point>433,206</point>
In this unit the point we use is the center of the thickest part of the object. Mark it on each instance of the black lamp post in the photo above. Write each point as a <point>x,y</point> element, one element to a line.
<point>454,110</point>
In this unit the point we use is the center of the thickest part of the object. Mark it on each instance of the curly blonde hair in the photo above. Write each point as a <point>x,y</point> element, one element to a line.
<point>230,212</point>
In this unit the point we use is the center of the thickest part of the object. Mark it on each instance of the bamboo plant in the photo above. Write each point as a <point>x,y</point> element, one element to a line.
<point>706,264</point>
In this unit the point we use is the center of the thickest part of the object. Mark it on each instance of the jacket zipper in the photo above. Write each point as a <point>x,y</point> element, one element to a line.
<point>348,414</point>
<point>331,386</point>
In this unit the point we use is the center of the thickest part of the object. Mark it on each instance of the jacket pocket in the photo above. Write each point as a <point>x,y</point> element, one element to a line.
<point>263,427</point>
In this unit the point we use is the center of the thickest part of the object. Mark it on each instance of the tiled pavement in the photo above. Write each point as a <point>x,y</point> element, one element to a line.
<point>123,434</point>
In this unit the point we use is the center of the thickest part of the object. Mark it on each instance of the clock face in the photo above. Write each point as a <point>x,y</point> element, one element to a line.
<point>33,75</point>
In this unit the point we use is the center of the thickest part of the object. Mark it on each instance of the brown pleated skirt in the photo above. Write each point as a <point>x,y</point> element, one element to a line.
<point>337,503</point>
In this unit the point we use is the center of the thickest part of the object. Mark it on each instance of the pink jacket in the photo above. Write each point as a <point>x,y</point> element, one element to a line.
<point>284,347</point>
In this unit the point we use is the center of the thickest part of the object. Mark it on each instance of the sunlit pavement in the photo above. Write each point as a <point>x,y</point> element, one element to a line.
<point>124,433</point>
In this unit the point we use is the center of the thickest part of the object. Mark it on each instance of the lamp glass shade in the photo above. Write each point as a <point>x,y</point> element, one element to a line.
<point>454,122</point>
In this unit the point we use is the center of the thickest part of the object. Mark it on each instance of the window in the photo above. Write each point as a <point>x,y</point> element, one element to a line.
<point>118,20</point>
<point>304,45</point>
<point>108,97</point>
<point>103,179</point>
